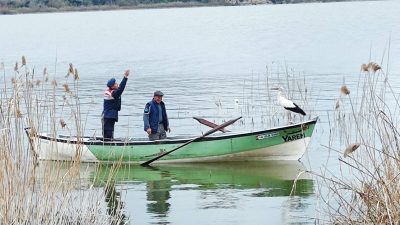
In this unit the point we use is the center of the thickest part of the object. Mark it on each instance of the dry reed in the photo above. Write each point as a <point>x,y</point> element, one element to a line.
<point>257,103</point>
<point>344,90</point>
<point>366,189</point>
<point>49,193</point>
<point>23,61</point>
<point>351,148</point>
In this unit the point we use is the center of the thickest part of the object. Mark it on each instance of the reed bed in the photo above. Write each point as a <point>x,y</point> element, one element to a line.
<point>36,192</point>
<point>256,101</point>
<point>33,192</point>
<point>366,188</point>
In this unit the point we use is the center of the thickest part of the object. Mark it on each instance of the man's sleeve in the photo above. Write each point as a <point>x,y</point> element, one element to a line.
<point>117,93</point>
<point>146,115</point>
<point>166,115</point>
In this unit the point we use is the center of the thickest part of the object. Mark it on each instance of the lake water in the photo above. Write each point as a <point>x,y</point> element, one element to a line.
<point>203,59</point>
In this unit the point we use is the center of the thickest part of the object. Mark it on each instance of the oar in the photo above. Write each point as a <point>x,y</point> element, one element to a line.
<point>215,129</point>
<point>209,124</point>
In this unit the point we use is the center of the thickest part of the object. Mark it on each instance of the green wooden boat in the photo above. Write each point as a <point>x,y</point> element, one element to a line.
<point>279,143</point>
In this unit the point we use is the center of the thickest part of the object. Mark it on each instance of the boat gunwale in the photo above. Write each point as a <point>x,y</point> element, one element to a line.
<point>170,141</point>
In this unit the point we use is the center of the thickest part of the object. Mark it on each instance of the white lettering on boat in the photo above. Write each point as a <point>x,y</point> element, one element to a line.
<point>266,135</point>
<point>293,137</point>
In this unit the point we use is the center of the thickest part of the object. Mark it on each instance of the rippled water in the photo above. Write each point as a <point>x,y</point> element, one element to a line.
<point>203,59</point>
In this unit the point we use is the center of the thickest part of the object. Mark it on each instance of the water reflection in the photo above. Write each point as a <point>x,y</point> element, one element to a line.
<point>160,194</point>
<point>269,175</point>
<point>219,185</point>
<point>114,204</point>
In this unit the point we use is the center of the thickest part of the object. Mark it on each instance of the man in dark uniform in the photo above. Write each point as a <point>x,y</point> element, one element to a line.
<point>155,118</point>
<point>112,104</point>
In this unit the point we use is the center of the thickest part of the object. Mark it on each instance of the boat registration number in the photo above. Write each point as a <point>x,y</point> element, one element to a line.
<point>266,135</point>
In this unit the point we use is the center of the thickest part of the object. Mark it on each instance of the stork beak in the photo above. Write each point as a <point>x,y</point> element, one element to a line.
<point>275,89</point>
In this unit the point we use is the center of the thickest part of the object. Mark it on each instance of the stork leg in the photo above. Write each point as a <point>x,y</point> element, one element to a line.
<point>289,115</point>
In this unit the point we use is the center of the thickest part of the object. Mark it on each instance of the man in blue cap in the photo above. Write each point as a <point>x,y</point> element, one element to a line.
<point>112,104</point>
<point>155,118</point>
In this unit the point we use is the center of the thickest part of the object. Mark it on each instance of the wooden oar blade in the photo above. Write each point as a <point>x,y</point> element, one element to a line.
<point>208,123</point>
<point>215,129</point>
<point>221,126</point>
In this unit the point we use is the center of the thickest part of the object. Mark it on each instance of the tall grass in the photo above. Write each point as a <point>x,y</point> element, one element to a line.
<point>367,188</point>
<point>257,103</point>
<point>54,193</point>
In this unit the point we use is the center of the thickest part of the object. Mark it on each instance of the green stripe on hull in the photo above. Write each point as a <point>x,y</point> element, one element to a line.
<point>208,147</point>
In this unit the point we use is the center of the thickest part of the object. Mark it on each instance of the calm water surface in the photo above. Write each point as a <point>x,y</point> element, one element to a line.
<point>203,59</point>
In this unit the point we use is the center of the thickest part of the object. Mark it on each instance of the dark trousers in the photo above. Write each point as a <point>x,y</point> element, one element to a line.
<point>108,128</point>
<point>161,134</point>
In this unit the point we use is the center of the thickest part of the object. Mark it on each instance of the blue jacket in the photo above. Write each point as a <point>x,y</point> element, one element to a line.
<point>112,101</point>
<point>151,116</point>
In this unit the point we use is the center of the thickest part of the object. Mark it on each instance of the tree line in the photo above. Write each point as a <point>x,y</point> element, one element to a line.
<point>59,4</point>
<point>82,3</point>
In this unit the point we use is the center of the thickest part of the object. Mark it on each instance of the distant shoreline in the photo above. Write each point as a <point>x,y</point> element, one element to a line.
<point>13,11</point>
<point>45,9</point>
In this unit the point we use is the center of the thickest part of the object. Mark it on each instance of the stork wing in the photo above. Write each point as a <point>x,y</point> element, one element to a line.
<point>296,109</point>
<point>286,103</point>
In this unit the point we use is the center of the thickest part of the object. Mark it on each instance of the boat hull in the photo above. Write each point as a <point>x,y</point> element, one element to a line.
<point>281,143</point>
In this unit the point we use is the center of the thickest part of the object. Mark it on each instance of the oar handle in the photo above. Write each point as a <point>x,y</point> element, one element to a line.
<point>195,139</point>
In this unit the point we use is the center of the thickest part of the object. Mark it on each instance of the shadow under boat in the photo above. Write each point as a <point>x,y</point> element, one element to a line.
<point>275,177</point>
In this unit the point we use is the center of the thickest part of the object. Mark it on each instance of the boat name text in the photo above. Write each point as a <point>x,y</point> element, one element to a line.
<point>293,137</point>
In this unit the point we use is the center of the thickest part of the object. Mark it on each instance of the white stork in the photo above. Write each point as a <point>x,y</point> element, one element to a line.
<point>288,104</point>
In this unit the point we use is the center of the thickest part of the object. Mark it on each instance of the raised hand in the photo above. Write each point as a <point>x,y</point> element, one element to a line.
<point>126,73</point>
